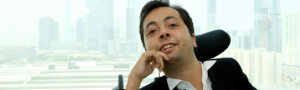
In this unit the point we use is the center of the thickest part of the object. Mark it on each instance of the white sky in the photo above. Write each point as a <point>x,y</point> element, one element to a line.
<point>19,18</point>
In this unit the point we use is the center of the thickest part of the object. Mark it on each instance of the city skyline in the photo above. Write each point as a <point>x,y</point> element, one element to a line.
<point>86,34</point>
<point>78,9</point>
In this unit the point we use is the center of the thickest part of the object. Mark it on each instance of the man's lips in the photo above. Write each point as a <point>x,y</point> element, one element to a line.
<point>166,46</point>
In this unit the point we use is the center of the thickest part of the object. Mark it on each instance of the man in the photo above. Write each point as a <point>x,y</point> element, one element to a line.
<point>167,33</point>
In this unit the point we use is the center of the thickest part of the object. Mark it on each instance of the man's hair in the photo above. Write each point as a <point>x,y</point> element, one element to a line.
<point>151,5</point>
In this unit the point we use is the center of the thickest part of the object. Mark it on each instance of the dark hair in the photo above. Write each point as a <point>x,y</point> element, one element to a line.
<point>164,3</point>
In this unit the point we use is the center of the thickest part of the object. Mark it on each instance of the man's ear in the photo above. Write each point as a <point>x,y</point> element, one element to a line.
<point>194,40</point>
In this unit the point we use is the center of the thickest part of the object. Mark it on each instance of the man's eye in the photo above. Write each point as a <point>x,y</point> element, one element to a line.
<point>173,25</point>
<point>151,31</point>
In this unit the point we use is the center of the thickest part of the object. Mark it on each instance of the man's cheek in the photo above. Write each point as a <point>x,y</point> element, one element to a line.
<point>149,44</point>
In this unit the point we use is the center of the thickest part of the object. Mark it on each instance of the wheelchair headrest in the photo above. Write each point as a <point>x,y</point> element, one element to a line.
<point>211,44</point>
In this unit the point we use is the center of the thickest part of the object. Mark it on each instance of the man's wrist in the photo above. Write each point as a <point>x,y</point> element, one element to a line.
<point>135,78</point>
<point>133,82</point>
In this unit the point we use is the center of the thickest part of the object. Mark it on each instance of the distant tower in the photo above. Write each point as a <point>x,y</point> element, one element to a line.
<point>48,32</point>
<point>80,33</point>
<point>291,30</point>
<point>68,32</point>
<point>132,20</point>
<point>132,26</point>
<point>211,15</point>
<point>99,24</point>
<point>267,25</point>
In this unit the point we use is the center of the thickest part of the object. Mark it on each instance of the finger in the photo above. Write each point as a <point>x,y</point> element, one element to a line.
<point>152,64</point>
<point>156,59</point>
<point>150,60</point>
<point>159,60</point>
<point>161,64</point>
<point>148,57</point>
<point>147,62</point>
<point>165,56</point>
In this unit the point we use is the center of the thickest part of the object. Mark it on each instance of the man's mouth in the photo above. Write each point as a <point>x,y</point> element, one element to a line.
<point>165,47</point>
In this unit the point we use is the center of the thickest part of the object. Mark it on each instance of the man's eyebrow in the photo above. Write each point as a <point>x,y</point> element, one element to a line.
<point>151,23</point>
<point>170,17</point>
<point>167,18</point>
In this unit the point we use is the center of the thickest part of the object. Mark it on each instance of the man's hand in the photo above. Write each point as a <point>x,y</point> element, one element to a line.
<point>144,67</point>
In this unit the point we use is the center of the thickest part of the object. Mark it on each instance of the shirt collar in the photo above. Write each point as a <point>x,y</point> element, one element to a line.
<point>173,82</point>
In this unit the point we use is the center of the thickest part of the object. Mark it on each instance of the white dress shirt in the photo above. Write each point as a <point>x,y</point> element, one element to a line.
<point>184,85</point>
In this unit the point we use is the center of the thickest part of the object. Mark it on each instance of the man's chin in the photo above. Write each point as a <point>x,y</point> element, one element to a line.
<point>172,58</point>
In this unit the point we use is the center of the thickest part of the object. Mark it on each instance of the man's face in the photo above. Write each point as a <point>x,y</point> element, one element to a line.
<point>165,31</point>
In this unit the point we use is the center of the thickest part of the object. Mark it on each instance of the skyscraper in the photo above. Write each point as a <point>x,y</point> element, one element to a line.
<point>48,32</point>
<point>267,25</point>
<point>132,26</point>
<point>68,32</point>
<point>291,38</point>
<point>99,23</point>
<point>291,30</point>
<point>80,33</point>
<point>211,15</point>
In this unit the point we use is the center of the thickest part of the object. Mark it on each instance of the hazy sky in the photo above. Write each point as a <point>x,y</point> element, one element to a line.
<point>19,18</point>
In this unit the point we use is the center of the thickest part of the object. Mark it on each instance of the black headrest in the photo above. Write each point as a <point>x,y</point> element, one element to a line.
<point>211,44</point>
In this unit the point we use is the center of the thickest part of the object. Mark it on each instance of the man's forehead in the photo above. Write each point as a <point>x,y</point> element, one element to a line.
<point>159,14</point>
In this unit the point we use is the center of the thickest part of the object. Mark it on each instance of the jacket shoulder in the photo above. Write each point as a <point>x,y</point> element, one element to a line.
<point>228,70</point>
<point>226,62</point>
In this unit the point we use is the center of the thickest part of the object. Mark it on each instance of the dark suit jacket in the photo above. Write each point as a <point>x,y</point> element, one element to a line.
<point>225,74</point>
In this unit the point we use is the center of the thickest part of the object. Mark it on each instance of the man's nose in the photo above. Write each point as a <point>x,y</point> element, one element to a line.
<point>164,35</point>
